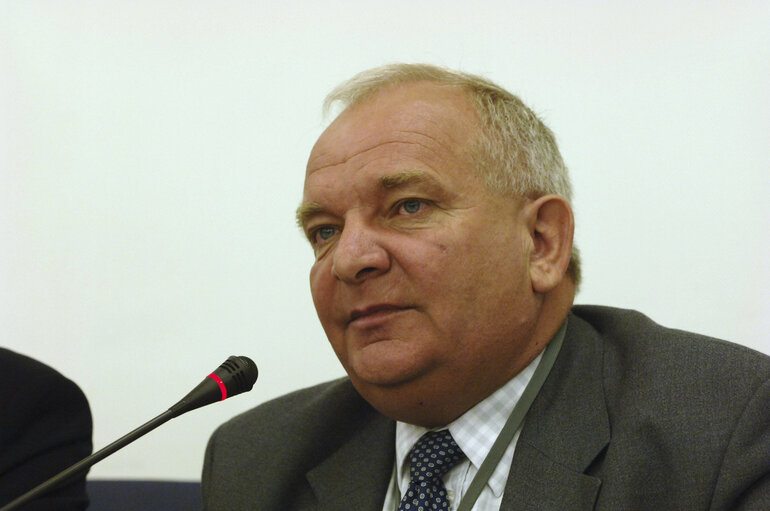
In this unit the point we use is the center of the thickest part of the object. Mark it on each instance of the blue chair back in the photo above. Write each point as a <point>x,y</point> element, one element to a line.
<point>130,495</point>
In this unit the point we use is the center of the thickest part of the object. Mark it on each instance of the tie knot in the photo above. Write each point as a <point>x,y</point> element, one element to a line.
<point>433,455</point>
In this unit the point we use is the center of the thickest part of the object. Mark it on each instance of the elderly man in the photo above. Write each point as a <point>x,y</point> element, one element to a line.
<point>437,206</point>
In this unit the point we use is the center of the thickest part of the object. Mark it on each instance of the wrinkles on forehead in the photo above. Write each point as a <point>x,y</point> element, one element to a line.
<point>440,119</point>
<point>334,149</point>
<point>414,135</point>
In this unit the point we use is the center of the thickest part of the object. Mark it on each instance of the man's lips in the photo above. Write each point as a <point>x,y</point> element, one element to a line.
<point>373,312</point>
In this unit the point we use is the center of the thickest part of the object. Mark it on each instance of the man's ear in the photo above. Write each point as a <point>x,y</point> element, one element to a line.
<point>551,225</point>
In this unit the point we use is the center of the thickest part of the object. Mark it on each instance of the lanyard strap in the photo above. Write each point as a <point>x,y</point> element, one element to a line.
<point>512,424</point>
<point>514,421</point>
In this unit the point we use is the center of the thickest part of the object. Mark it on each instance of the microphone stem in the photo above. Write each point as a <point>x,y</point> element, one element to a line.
<point>86,463</point>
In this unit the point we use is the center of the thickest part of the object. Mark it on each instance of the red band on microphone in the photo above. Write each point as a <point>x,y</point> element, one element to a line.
<point>221,384</point>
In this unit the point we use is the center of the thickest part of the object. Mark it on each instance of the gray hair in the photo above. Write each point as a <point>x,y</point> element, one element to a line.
<point>516,153</point>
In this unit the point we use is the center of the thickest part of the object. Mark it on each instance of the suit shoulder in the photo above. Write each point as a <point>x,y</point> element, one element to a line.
<point>636,335</point>
<point>681,403</point>
<point>319,408</point>
<point>36,391</point>
<point>21,370</point>
<point>660,370</point>
<point>280,440</point>
<point>47,429</point>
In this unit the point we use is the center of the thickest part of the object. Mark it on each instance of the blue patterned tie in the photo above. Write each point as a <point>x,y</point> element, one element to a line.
<point>430,458</point>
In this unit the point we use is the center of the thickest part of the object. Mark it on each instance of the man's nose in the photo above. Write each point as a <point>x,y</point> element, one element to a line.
<point>359,253</point>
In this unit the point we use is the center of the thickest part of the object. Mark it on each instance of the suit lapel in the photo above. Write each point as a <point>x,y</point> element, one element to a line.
<point>566,429</point>
<point>356,475</point>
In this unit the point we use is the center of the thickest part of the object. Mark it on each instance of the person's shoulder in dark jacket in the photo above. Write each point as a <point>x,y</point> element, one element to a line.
<point>699,398</point>
<point>45,426</point>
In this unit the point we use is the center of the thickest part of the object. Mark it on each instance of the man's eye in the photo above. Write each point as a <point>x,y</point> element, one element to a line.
<point>411,206</point>
<point>324,233</point>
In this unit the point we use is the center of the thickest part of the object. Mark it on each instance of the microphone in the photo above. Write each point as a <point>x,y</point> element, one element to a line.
<point>235,376</point>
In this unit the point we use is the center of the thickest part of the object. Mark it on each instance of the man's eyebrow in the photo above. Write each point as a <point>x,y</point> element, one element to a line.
<point>307,210</point>
<point>407,177</point>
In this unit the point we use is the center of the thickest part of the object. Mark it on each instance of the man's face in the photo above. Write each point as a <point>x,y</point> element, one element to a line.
<point>421,273</point>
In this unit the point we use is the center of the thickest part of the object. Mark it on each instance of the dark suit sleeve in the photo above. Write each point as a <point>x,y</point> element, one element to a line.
<point>744,478</point>
<point>45,426</point>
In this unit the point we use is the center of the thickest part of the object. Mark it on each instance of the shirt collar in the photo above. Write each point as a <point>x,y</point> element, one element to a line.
<point>476,430</point>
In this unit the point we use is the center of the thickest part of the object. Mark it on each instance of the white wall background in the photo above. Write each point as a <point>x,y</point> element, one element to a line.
<point>152,155</point>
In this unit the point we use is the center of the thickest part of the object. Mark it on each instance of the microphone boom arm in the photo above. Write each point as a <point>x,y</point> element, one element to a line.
<point>86,463</point>
<point>234,376</point>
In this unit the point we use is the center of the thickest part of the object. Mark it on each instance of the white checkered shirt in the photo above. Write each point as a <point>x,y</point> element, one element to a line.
<point>475,432</point>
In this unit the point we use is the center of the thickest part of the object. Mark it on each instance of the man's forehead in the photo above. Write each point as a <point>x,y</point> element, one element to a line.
<point>427,107</point>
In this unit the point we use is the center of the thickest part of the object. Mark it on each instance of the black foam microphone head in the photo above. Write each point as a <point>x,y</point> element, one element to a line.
<point>238,374</point>
<point>235,376</point>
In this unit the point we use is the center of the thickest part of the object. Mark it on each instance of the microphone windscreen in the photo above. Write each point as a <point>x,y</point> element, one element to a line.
<point>238,374</point>
<point>235,376</point>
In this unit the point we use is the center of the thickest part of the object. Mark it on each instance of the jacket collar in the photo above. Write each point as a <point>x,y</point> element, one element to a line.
<point>356,476</point>
<point>566,429</point>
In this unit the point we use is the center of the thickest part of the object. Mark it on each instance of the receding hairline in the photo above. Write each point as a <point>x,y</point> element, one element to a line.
<point>368,83</point>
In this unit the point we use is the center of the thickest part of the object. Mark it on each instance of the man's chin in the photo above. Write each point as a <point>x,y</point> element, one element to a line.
<point>408,396</point>
<point>383,376</point>
<point>386,364</point>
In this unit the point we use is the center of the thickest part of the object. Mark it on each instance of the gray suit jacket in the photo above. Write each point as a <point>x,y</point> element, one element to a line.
<point>632,416</point>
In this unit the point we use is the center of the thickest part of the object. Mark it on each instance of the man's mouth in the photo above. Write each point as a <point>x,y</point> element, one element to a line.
<point>372,313</point>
